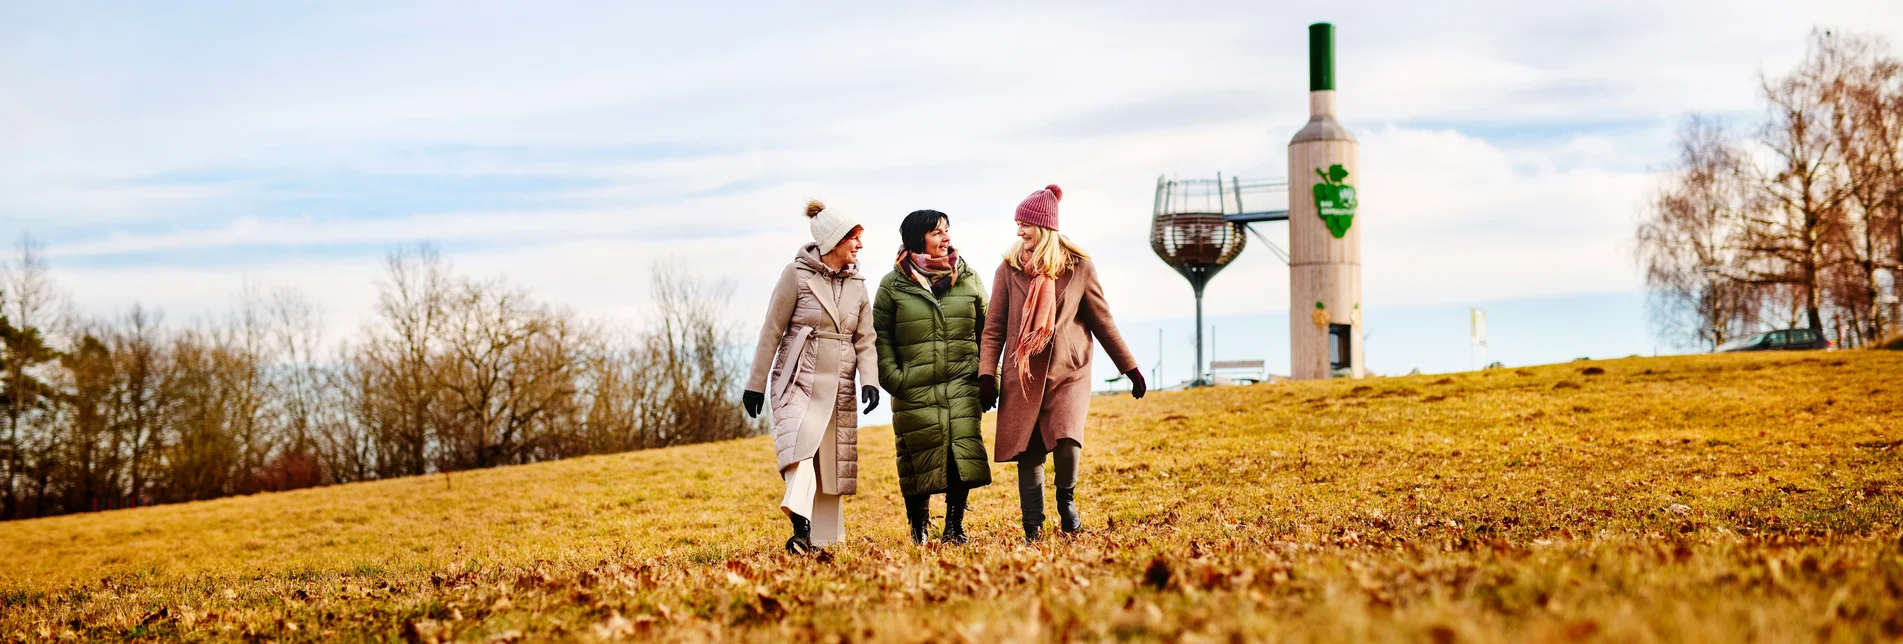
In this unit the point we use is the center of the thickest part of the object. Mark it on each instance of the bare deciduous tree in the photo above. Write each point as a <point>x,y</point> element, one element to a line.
<point>398,358</point>
<point>1866,107</point>
<point>508,372</point>
<point>26,297</point>
<point>693,352</point>
<point>299,386</point>
<point>1685,242</point>
<point>1800,191</point>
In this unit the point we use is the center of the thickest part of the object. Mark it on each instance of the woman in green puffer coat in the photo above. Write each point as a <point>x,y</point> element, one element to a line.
<point>927,317</point>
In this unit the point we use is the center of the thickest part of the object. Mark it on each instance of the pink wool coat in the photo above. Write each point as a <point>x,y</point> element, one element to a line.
<point>1057,394</point>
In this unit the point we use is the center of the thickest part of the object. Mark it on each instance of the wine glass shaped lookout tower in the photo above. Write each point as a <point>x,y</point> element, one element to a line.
<point>1198,226</point>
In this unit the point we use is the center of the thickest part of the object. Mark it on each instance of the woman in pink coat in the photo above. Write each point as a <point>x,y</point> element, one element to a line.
<point>1046,306</point>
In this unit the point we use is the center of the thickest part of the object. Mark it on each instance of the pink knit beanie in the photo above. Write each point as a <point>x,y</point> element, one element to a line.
<point>1040,209</point>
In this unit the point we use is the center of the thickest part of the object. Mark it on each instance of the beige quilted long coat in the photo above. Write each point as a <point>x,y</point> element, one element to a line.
<point>816,316</point>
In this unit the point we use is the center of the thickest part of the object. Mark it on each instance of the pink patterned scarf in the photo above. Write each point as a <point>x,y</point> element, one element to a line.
<point>936,274</point>
<point>1040,316</point>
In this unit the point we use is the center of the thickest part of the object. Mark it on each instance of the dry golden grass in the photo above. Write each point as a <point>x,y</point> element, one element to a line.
<point>1701,498</point>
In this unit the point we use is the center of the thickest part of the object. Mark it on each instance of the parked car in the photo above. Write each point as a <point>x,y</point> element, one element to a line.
<point>1784,340</point>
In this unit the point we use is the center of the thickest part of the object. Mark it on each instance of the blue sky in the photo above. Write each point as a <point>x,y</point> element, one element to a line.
<point>168,154</point>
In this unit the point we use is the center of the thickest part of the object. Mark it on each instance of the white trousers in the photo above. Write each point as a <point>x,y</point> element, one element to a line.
<point>804,498</point>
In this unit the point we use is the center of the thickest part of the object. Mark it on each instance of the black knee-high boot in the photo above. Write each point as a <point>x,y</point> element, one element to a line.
<point>918,514</point>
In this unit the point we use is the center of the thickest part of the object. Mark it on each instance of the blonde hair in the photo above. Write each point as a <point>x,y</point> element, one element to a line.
<point>1051,252</point>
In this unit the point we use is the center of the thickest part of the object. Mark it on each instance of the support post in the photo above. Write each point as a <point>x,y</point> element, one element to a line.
<point>1199,380</point>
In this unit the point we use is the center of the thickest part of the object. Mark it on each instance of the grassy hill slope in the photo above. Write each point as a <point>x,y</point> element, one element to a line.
<point>1689,498</point>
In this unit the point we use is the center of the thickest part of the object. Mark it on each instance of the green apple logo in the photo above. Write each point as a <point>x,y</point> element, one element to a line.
<point>1335,201</point>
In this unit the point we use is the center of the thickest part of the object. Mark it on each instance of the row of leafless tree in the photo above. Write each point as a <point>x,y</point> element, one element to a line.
<point>453,373</point>
<point>1797,224</point>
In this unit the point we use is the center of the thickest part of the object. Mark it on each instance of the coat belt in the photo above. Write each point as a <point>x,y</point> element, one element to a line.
<point>790,364</point>
<point>816,421</point>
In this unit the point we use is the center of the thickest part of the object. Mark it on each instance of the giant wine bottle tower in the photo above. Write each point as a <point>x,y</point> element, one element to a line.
<point>1324,234</point>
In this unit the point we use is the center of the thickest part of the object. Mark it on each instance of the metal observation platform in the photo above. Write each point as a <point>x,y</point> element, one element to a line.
<point>1199,226</point>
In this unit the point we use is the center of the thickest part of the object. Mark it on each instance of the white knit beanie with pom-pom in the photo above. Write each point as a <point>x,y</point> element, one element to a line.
<point>829,225</point>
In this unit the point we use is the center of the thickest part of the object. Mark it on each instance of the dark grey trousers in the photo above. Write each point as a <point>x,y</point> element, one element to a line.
<point>1031,463</point>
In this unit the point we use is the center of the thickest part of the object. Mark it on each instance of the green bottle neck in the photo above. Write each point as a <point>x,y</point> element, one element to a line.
<point>1321,57</point>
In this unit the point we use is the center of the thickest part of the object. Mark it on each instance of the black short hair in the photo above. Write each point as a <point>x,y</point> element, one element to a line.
<point>912,231</point>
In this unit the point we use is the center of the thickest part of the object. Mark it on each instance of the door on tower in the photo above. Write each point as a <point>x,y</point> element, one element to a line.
<point>1340,352</point>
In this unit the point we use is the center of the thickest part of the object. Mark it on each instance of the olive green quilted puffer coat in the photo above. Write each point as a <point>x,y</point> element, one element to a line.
<point>928,364</point>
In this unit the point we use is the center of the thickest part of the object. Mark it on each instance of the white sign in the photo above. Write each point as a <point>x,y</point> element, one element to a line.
<point>1477,320</point>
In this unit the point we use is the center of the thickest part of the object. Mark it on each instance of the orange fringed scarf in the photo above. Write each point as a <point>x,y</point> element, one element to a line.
<point>1040,316</point>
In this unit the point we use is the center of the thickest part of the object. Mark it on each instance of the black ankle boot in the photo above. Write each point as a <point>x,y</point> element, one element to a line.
<point>918,514</point>
<point>802,539</point>
<point>1067,519</point>
<point>954,522</point>
<point>1031,502</point>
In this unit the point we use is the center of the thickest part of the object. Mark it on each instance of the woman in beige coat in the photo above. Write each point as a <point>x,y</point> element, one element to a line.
<point>817,335</point>
<point>1046,305</point>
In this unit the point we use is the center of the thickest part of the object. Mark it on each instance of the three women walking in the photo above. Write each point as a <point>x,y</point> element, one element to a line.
<point>946,354</point>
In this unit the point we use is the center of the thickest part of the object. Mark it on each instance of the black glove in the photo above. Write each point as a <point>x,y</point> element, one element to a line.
<point>753,401</point>
<point>869,395</point>
<point>987,393</point>
<point>1137,386</point>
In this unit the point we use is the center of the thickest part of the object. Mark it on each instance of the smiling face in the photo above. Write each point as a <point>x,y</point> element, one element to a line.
<point>1027,232</point>
<point>938,241</point>
<point>847,251</point>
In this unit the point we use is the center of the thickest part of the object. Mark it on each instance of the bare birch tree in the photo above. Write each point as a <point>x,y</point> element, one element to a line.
<point>1800,225</point>
<point>1685,241</point>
